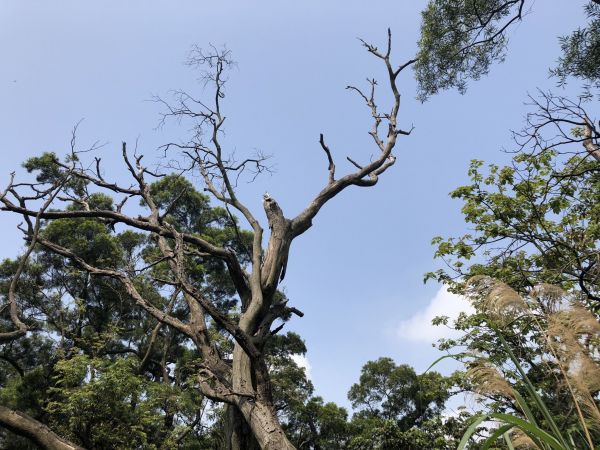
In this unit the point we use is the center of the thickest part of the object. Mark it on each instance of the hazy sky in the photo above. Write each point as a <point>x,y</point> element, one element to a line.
<point>357,274</point>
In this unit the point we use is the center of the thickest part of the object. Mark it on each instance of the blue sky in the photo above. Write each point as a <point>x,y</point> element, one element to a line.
<point>357,274</point>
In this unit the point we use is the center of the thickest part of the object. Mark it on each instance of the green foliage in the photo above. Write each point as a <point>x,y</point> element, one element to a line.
<point>291,387</point>
<point>190,211</point>
<point>89,239</point>
<point>100,403</point>
<point>395,407</point>
<point>400,409</point>
<point>185,207</point>
<point>51,171</point>
<point>318,425</point>
<point>397,393</point>
<point>96,369</point>
<point>436,433</point>
<point>102,373</point>
<point>581,50</point>
<point>459,41</point>
<point>532,223</point>
<point>47,167</point>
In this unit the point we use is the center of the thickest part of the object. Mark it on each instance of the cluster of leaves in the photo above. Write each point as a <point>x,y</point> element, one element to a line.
<point>108,404</point>
<point>581,50</point>
<point>461,39</point>
<point>399,409</point>
<point>534,222</point>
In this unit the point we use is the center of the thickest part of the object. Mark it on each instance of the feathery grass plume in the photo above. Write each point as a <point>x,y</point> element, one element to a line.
<point>590,407</point>
<point>522,441</point>
<point>567,329</point>
<point>569,334</point>
<point>576,318</point>
<point>496,299</point>
<point>548,295</point>
<point>584,376</point>
<point>486,379</point>
<point>566,336</point>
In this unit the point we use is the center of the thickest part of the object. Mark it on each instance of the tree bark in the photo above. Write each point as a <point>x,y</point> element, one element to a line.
<point>264,425</point>
<point>252,423</point>
<point>26,426</point>
<point>238,435</point>
<point>591,147</point>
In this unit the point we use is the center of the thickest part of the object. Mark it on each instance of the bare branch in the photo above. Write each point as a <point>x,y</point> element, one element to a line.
<point>368,174</point>
<point>331,166</point>
<point>27,426</point>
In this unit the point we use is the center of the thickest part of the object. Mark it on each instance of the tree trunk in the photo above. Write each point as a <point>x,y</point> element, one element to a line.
<point>264,425</point>
<point>237,432</point>
<point>238,435</point>
<point>26,426</point>
<point>252,423</point>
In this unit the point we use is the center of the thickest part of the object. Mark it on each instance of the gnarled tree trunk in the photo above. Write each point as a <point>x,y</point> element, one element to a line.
<point>244,386</point>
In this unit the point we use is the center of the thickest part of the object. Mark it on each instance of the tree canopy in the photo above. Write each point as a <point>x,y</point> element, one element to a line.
<point>461,39</point>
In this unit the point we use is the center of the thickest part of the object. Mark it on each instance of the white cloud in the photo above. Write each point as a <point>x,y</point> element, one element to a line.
<point>302,361</point>
<point>419,328</point>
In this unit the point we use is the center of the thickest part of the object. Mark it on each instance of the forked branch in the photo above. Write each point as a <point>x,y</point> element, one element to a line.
<point>367,174</point>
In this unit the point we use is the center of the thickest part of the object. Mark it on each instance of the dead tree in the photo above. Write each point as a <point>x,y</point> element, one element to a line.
<point>240,380</point>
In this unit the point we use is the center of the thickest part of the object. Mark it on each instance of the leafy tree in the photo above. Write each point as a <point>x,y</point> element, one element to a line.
<point>461,39</point>
<point>533,225</point>
<point>534,230</point>
<point>581,50</point>
<point>397,392</point>
<point>535,221</point>
<point>291,387</point>
<point>100,350</point>
<point>111,378</point>
<point>399,409</point>
<point>318,425</point>
<point>393,408</point>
